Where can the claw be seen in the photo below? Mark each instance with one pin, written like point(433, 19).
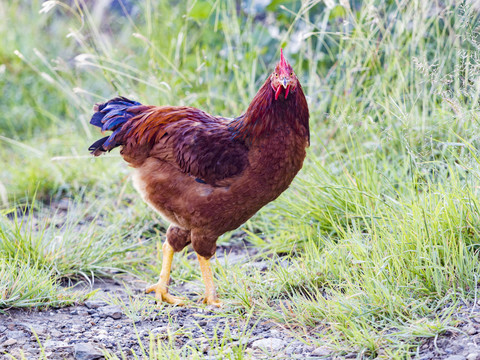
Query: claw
point(162, 294)
point(213, 301)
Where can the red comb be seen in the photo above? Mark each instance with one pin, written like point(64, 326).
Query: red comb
point(283, 62)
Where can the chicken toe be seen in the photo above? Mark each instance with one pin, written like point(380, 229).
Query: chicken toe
point(214, 301)
point(161, 287)
point(162, 294)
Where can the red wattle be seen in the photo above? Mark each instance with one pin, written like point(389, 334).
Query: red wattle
point(287, 90)
point(278, 92)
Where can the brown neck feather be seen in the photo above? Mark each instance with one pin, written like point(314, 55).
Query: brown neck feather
point(265, 114)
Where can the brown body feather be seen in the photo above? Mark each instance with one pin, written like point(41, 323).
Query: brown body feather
point(208, 175)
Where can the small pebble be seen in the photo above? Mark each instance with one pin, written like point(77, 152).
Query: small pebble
point(456, 357)
point(87, 351)
point(15, 334)
point(321, 351)
point(294, 347)
point(55, 333)
point(9, 342)
point(57, 345)
point(471, 330)
point(95, 304)
point(427, 356)
point(113, 311)
point(271, 344)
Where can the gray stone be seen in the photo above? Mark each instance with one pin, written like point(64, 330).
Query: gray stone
point(22, 341)
point(427, 356)
point(102, 339)
point(79, 311)
point(77, 329)
point(473, 356)
point(55, 333)
point(456, 357)
point(321, 351)
point(58, 346)
point(9, 342)
point(95, 304)
point(113, 311)
point(295, 347)
point(38, 330)
point(86, 351)
point(471, 330)
point(15, 334)
point(270, 344)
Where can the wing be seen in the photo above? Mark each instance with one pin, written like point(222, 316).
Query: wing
point(197, 143)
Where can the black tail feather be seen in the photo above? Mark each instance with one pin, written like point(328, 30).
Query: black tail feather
point(96, 147)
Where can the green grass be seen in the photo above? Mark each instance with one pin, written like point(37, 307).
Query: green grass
point(380, 229)
point(67, 245)
point(25, 285)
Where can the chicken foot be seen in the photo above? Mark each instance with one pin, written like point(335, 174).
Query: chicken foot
point(161, 287)
point(210, 292)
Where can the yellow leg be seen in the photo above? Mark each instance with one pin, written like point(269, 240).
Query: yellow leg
point(161, 287)
point(210, 293)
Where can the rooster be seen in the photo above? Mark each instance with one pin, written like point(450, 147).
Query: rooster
point(207, 174)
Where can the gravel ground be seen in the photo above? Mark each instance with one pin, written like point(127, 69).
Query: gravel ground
point(83, 331)
point(110, 321)
point(462, 342)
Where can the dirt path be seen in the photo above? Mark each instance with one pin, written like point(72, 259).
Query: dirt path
point(81, 332)
point(122, 320)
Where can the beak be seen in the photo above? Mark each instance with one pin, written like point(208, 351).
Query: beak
point(285, 82)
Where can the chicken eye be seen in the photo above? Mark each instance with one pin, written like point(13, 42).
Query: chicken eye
point(276, 75)
point(291, 74)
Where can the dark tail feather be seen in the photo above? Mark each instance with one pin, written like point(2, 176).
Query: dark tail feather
point(111, 116)
point(97, 146)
